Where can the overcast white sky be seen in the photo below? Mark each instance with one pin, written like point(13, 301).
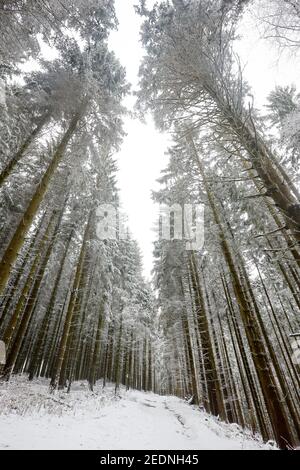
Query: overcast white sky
point(142, 155)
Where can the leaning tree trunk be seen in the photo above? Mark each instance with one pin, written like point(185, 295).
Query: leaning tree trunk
point(6, 172)
point(277, 186)
point(17, 240)
point(277, 217)
point(9, 297)
point(12, 325)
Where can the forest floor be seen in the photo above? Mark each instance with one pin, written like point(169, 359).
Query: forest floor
point(32, 418)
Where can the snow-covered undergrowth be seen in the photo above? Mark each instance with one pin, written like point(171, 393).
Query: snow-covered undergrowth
point(32, 418)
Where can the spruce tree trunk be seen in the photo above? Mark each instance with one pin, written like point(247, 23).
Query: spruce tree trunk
point(118, 357)
point(97, 347)
point(212, 379)
point(190, 357)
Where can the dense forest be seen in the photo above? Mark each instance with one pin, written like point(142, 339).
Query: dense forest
point(217, 326)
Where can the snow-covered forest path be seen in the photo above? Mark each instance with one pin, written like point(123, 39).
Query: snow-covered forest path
point(33, 419)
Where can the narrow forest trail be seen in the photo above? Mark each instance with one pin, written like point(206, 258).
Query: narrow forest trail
point(32, 418)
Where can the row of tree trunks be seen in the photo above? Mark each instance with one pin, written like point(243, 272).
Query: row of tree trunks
point(252, 323)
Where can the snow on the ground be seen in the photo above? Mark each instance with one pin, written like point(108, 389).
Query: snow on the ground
point(32, 418)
